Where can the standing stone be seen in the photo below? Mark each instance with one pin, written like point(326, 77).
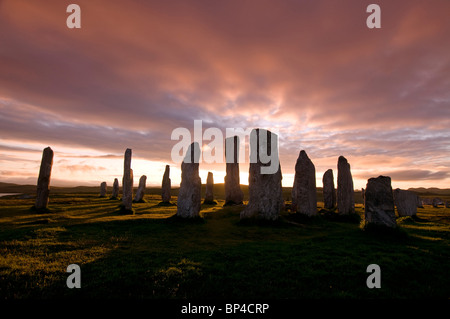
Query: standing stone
point(379, 202)
point(304, 192)
point(43, 183)
point(127, 183)
point(139, 197)
point(345, 192)
point(265, 192)
point(233, 192)
point(329, 192)
point(419, 202)
point(189, 195)
point(209, 192)
point(166, 185)
point(436, 202)
point(103, 189)
point(115, 189)
point(406, 202)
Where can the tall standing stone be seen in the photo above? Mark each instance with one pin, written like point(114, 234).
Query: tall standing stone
point(127, 183)
point(233, 192)
point(406, 202)
point(379, 202)
point(304, 192)
point(166, 185)
point(209, 191)
point(43, 183)
point(345, 191)
point(329, 192)
point(103, 189)
point(189, 195)
point(265, 192)
point(139, 197)
point(115, 189)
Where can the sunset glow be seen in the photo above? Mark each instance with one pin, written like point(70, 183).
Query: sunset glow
point(137, 70)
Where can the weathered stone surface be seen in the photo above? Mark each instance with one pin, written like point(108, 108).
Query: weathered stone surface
point(166, 186)
point(265, 192)
point(345, 191)
point(233, 192)
point(209, 191)
point(43, 182)
point(406, 202)
point(304, 192)
point(115, 189)
point(139, 197)
point(189, 195)
point(329, 192)
point(103, 189)
point(127, 183)
point(379, 202)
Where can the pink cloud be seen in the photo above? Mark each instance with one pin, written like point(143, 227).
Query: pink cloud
point(136, 71)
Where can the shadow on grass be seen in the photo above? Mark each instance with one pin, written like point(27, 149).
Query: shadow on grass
point(45, 210)
point(209, 202)
point(280, 222)
point(164, 204)
point(353, 218)
point(175, 219)
point(411, 219)
point(302, 219)
point(384, 232)
point(124, 211)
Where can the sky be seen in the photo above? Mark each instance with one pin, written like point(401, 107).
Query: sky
point(311, 70)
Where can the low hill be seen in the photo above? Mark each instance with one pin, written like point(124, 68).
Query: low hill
point(219, 191)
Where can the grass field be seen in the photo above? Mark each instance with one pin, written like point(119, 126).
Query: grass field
point(152, 254)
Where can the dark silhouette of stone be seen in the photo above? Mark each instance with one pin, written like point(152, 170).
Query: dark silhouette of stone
point(166, 186)
point(233, 192)
point(189, 195)
point(304, 192)
point(209, 190)
point(436, 202)
point(115, 189)
point(329, 192)
point(379, 202)
point(127, 183)
point(265, 192)
point(406, 202)
point(345, 191)
point(139, 197)
point(103, 189)
point(43, 182)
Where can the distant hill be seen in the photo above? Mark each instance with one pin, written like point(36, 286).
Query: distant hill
point(15, 188)
point(421, 191)
point(219, 191)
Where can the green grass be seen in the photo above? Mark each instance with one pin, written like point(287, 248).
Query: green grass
point(153, 254)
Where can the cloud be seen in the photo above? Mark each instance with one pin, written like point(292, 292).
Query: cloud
point(411, 175)
point(82, 168)
point(136, 71)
